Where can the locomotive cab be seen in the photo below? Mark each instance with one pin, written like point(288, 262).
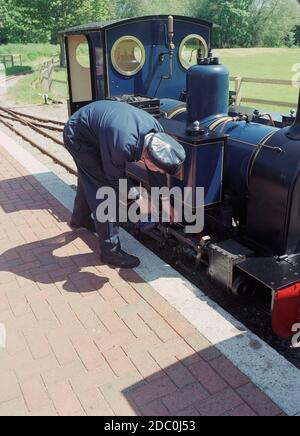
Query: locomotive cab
point(130, 57)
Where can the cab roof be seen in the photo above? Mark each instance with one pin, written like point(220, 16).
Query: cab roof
point(104, 25)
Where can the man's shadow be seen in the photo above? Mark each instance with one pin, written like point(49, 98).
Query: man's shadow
point(43, 263)
point(52, 260)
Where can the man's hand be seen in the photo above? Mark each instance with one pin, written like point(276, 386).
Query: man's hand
point(134, 194)
point(169, 213)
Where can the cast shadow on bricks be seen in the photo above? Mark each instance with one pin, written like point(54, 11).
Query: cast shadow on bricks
point(37, 260)
point(41, 260)
point(202, 384)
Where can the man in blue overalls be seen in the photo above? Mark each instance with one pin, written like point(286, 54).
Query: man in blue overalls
point(102, 138)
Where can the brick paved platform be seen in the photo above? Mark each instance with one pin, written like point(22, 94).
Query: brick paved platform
point(84, 339)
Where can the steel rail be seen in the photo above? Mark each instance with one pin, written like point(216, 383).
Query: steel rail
point(39, 147)
point(54, 129)
point(29, 124)
point(42, 120)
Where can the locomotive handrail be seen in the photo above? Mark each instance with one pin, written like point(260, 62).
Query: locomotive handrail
point(240, 99)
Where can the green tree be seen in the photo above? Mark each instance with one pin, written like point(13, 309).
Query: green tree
point(41, 20)
point(133, 8)
point(245, 23)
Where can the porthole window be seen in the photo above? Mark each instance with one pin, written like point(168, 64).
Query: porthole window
point(189, 48)
point(128, 55)
point(83, 54)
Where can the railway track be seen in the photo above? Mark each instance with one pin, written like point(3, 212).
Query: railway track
point(13, 120)
point(250, 312)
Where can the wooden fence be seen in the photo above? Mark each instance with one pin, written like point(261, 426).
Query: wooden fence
point(238, 82)
point(46, 75)
point(47, 69)
point(11, 60)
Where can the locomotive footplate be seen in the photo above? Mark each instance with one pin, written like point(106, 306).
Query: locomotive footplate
point(274, 274)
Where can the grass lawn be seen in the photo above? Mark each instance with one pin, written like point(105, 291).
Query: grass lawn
point(25, 90)
point(254, 62)
point(266, 63)
point(32, 54)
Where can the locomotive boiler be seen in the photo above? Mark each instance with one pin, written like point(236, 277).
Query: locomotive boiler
point(249, 166)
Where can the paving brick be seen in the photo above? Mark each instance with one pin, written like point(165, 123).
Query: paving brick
point(10, 389)
point(145, 364)
point(126, 292)
point(204, 348)
point(10, 362)
point(242, 410)
point(156, 408)
point(137, 326)
point(220, 403)
point(143, 394)
point(162, 306)
point(151, 341)
point(180, 375)
point(62, 310)
point(108, 293)
point(65, 400)
point(35, 394)
point(119, 362)
point(175, 348)
point(184, 398)
point(108, 318)
point(37, 343)
point(110, 340)
point(32, 368)
point(48, 411)
point(63, 373)
point(87, 317)
point(15, 342)
point(119, 404)
point(145, 290)
point(16, 407)
point(180, 325)
point(161, 328)
point(229, 372)
point(92, 379)
point(94, 403)
point(27, 321)
point(129, 310)
point(118, 395)
point(258, 401)
point(89, 354)
point(20, 306)
point(62, 347)
point(212, 382)
point(189, 411)
point(42, 311)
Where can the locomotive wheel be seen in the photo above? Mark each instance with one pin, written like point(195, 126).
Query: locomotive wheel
point(243, 287)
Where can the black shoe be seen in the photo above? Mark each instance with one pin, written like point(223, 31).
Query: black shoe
point(89, 226)
point(120, 259)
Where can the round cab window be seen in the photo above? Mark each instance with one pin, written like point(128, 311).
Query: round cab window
point(189, 49)
point(83, 55)
point(128, 55)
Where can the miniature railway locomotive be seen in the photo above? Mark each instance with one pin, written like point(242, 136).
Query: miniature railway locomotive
point(248, 165)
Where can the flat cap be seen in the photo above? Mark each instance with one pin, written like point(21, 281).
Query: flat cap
point(166, 153)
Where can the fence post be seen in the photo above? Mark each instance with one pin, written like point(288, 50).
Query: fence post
point(238, 89)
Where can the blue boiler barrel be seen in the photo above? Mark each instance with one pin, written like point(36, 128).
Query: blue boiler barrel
point(207, 91)
point(244, 142)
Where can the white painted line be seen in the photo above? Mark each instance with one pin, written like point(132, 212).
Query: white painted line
point(273, 374)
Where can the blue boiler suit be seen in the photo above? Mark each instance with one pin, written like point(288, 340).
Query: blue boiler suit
point(102, 138)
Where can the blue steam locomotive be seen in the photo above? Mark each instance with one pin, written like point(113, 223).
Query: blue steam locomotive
point(249, 165)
